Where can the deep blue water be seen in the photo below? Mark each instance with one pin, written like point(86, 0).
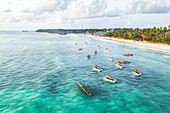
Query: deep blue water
point(39, 70)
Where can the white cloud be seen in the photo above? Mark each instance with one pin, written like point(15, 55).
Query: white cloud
point(70, 12)
point(148, 7)
point(7, 10)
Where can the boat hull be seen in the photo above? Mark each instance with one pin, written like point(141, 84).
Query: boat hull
point(125, 62)
point(107, 50)
point(127, 54)
point(88, 58)
point(111, 58)
point(137, 74)
point(119, 66)
point(99, 70)
point(108, 80)
point(88, 93)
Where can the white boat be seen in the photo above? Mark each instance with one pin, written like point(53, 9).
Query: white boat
point(109, 78)
point(98, 47)
point(96, 68)
point(111, 58)
point(106, 49)
point(136, 72)
point(119, 66)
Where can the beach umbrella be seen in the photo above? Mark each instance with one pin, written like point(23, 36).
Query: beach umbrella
point(136, 69)
point(119, 62)
point(88, 55)
point(96, 65)
point(96, 51)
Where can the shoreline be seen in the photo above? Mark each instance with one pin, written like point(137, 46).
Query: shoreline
point(158, 46)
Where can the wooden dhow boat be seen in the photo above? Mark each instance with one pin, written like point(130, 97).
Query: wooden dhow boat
point(83, 88)
point(126, 54)
point(125, 62)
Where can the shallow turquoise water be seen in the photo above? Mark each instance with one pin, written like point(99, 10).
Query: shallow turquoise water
point(39, 70)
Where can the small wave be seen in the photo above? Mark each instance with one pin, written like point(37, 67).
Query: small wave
point(166, 56)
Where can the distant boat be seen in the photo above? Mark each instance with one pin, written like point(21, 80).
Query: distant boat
point(136, 72)
point(96, 68)
point(111, 58)
point(98, 47)
point(106, 49)
point(109, 78)
point(125, 62)
point(126, 54)
point(95, 52)
point(80, 49)
point(88, 57)
point(118, 64)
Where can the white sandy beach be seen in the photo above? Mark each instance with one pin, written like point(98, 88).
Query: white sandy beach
point(161, 47)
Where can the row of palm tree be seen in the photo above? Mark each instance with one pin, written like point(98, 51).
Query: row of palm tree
point(155, 35)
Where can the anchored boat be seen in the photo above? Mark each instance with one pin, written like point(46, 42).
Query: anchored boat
point(125, 62)
point(96, 68)
point(118, 64)
point(88, 57)
point(109, 78)
point(136, 72)
point(111, 58)
point(126, 54)
point(95, 52)
point(86, 91)
point(106, 49)
point(83, 88)
point(98, 47)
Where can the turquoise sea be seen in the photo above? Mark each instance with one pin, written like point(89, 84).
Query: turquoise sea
point(39, 70)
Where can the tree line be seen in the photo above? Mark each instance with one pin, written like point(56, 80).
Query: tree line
point(155, 35)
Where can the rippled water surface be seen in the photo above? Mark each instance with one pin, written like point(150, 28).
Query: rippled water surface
point(39, 70)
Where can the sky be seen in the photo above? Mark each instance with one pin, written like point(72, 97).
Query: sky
point(76, 14)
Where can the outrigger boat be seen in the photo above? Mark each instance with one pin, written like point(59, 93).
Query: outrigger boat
point(88, 57)
point(136, 72)
point(106, 49)
point(83, 88)
point(111, 58)
point(96, 68)
point(118, 64)
point(98, 47)
point(126, 54)
point(95, 52)
point(109, 79)
point(125, 62)
point(86, 91)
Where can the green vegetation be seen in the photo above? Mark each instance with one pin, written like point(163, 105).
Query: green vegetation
point(155, 35)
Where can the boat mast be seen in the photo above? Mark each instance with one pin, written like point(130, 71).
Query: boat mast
point(81, 79)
